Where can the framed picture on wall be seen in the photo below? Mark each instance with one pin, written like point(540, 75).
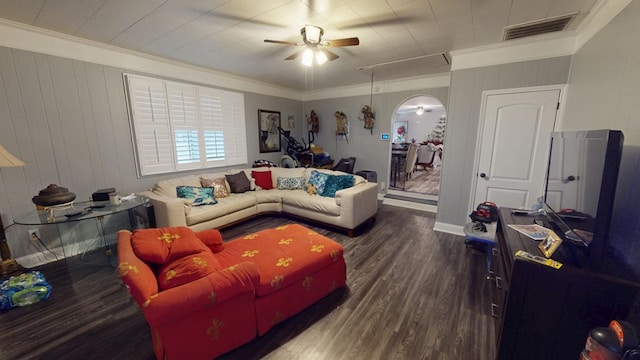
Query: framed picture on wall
point(268, 134)
point(400, 129)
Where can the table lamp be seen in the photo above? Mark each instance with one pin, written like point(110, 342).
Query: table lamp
point(8, 266)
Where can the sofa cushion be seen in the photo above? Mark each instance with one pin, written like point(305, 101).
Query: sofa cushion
point(225, 206)
point(196, 196)
point(319, 204)
point(318, 180)
point(163, 245)
point(263, 179)
point(290, 183)
point(219, 186)
point(187, 269)
point(239, 182)
point(269, 196)
point(335, 183)
point(168, 187)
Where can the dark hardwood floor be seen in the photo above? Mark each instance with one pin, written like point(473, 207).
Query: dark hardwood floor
point(412, 293)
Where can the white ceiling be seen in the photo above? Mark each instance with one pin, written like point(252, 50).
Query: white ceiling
point(227, 35)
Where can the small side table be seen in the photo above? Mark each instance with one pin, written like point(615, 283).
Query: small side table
point(99, 210)
point(478, 236)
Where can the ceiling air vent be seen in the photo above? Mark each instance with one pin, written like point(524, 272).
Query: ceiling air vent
point(537, 27)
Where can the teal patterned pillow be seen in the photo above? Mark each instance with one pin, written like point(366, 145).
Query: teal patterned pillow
point(291, 183)
point(198, 195)
point(318, 180)
point(335, 183)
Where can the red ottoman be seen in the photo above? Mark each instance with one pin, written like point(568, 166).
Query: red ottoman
point(203, 297)
point(297, 267)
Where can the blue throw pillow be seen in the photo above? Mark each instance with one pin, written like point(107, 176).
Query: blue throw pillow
point(318, 180)
point(197, 195)
point(335, 183)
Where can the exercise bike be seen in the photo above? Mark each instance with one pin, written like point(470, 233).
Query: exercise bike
point(295, 150)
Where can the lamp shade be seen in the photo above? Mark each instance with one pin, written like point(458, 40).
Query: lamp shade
point(8, 160)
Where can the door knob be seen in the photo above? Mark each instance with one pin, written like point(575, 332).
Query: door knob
point(483, 175)
point(571, 178)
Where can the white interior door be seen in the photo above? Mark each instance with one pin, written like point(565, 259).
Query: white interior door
point(514, 146)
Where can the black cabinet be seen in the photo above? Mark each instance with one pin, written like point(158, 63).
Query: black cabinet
point(544, 313)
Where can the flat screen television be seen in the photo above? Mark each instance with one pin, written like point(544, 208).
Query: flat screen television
point(580, 188)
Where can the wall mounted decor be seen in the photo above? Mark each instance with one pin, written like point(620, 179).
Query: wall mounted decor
point(268, 134)
point(313, 122)
point(400, 132)
point(368, 116)
point(342, 125)
point(291, 120)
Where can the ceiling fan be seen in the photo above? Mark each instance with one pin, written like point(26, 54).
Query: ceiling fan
point(315, 46)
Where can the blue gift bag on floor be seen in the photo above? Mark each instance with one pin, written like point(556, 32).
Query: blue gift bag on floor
point(23, 290)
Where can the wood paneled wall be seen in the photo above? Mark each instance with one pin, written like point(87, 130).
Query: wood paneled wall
point(463, 118)
point(68, 121)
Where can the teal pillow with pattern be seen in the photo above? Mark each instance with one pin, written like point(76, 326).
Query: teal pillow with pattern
point(318, 180)
point(335, 183)
point(198, 196)
point(292, 183)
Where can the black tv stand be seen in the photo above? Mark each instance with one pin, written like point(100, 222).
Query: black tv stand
point(544, 313)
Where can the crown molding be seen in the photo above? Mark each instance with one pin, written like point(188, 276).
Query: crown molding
point(539, 47)
point(24, 37)
point(542, 46)
point(381, 87)
point(601, 14)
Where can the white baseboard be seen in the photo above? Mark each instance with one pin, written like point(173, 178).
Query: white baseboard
point(449, 228)
point(57, 253)
point(410, 205)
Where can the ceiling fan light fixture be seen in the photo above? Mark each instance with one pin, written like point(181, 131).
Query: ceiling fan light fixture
point(307, 57)
point(321, 57)
point(311, 34)
point(420, 110)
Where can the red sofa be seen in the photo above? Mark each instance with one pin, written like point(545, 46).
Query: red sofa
point(203, 297)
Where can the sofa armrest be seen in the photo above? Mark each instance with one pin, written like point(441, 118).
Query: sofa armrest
point(135, 273)
point(212, 238)
point(168, 211)
point(177, 303)
point(358, 203)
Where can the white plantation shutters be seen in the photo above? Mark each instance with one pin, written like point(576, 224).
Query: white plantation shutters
point(152, 130)
point(182, 127)
point(184, 119)
point(213, 126)
point(234, 128)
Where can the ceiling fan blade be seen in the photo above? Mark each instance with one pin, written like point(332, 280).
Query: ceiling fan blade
point(294, 55)
point(330, 56)
point(343, 42)
point(281, 42)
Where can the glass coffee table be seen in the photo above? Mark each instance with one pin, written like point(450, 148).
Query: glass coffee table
point(69, 220)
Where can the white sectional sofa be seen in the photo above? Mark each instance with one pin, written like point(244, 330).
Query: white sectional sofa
point(350, 208)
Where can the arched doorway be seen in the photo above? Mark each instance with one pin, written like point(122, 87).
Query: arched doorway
point(419, 123)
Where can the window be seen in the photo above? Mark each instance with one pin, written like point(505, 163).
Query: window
point(183, 127)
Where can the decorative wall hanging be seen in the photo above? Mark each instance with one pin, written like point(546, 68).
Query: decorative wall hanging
point(291, 121)
point(368, 116)
point(269, 136)
point(342, 125)
point(400, 132)
point(313, 122)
